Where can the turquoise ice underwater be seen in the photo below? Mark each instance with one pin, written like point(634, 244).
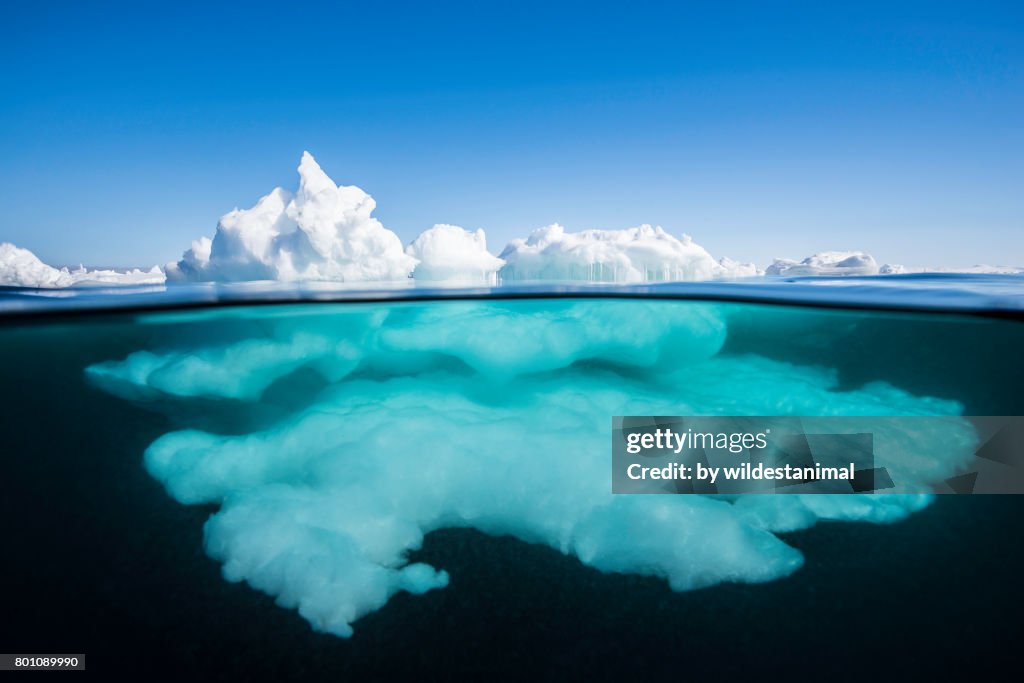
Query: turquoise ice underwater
point(492, 415)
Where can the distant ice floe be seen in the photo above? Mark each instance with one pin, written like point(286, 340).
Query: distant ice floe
point(828, 263)
point(490, 415)
point(981, 269)
point(22, 268)
point(840, 263)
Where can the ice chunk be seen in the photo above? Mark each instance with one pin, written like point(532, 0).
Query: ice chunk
point(450, 253)
point(322, 232)
point(640, 254)
point(826, 263)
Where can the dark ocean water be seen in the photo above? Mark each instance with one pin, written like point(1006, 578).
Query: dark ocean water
point(100, 559)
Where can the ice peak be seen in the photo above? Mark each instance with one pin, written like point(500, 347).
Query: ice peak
point(312, 179)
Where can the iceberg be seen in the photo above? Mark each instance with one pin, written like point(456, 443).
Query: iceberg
point(491, 415)
point(450, 253)
point(321, 232)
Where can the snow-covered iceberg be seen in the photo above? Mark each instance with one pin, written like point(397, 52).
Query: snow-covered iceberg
point(21, 268)
point(321, 232)
point(640, 254)
point(492, 415)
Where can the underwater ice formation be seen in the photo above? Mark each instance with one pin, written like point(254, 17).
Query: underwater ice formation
point(22, 268)
point(490, 415)
point(640, 254)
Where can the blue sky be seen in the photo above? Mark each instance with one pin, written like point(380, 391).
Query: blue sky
point(762, 129)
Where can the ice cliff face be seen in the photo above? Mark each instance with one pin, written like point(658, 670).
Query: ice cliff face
point(492, 415)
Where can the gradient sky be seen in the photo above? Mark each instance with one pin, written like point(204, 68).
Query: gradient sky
point(762, 129)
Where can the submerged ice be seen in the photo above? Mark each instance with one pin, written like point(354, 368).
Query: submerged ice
point(487, 415)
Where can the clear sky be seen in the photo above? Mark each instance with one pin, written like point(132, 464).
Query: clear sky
point(762, 129)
